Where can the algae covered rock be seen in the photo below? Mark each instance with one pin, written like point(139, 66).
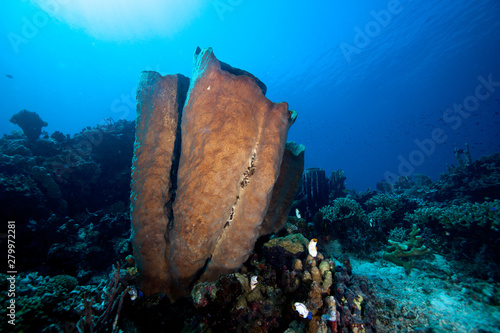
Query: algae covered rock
point(283, 250)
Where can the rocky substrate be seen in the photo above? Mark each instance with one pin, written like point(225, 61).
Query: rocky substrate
point(435, 298)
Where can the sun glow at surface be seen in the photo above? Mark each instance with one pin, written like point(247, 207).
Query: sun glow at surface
point(124, 19)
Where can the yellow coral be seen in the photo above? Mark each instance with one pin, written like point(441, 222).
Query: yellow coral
point(132, 271)
point(323, 267)
point(327, 281)
point(357, 301)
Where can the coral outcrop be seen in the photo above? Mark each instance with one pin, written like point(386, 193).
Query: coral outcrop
point(198, 210)
point(30, 123)
point(50, 188)
point(285, 249)
point(334, 298)
point(470, 180)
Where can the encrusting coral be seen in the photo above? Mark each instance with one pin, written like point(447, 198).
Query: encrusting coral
point(406, 249)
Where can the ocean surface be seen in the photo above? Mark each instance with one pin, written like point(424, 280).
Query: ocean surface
point(371, 80)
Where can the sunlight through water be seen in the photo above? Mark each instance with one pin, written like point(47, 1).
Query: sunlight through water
point(124, 19)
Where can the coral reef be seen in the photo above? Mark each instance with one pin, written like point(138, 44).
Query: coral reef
point(333, 296)
point(466, 215)
point(306, 277)
point(62, 184)
point(471, 181)
point(60, 304)
point(465, 230)
point(87, 244)
point(462, 235)
point(455, 220)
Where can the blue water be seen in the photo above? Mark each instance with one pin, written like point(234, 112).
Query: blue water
point(371, 80)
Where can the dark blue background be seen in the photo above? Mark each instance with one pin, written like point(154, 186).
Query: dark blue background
point(370, 79)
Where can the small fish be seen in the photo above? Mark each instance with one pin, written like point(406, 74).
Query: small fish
point(312, 247)
point(9, 76)
point(330, 316)
point(254, 281)
point(302, 310)
point(297, 213)
point(133, 293)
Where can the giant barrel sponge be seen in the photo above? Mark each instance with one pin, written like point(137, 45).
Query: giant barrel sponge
point(207, 157)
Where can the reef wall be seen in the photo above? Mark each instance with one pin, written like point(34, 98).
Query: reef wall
point(201, 187)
